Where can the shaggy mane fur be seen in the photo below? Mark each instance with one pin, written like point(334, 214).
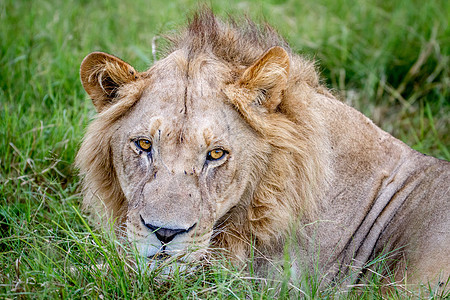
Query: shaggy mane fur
point(288, 181)
point(236, 42)
point(100, 185)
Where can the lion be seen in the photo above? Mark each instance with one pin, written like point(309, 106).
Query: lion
point(230, 143)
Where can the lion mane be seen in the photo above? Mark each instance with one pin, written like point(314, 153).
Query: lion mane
point(291, 181)
point(320, 160)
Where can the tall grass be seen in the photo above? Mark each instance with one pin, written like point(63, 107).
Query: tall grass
point(390, 59)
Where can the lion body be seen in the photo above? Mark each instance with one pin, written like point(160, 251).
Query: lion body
point(393, 201)
point(296, 161)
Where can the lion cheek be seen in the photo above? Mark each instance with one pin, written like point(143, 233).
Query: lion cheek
point(232, 193)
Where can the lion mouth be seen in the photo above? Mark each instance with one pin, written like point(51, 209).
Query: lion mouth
point(160, 256)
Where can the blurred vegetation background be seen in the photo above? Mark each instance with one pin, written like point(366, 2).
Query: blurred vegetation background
point(388, 59)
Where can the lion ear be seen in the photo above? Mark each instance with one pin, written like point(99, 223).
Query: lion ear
point(102, 75)
point(267, 78)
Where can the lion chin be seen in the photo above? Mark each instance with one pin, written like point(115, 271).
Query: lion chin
point(161, 244)
point(231, 145)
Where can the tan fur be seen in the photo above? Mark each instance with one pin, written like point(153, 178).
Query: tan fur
point(295, 156)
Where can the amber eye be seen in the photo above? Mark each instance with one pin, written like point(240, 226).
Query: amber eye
point(144, 145)
point(215, 154)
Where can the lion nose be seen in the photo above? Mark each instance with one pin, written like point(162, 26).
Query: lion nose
point(165, 235)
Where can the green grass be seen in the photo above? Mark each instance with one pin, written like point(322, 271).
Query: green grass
point(389, 59)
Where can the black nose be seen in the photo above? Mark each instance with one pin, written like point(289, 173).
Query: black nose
point(165, 235)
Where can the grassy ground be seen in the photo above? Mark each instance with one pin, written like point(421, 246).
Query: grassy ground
point(389, 59)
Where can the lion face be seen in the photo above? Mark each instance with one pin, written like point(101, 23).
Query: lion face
point(176, 149)
point(182, 161)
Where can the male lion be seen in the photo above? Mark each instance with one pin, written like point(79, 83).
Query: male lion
point(231, 141)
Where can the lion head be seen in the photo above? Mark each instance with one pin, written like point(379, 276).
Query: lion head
point(207, 146)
